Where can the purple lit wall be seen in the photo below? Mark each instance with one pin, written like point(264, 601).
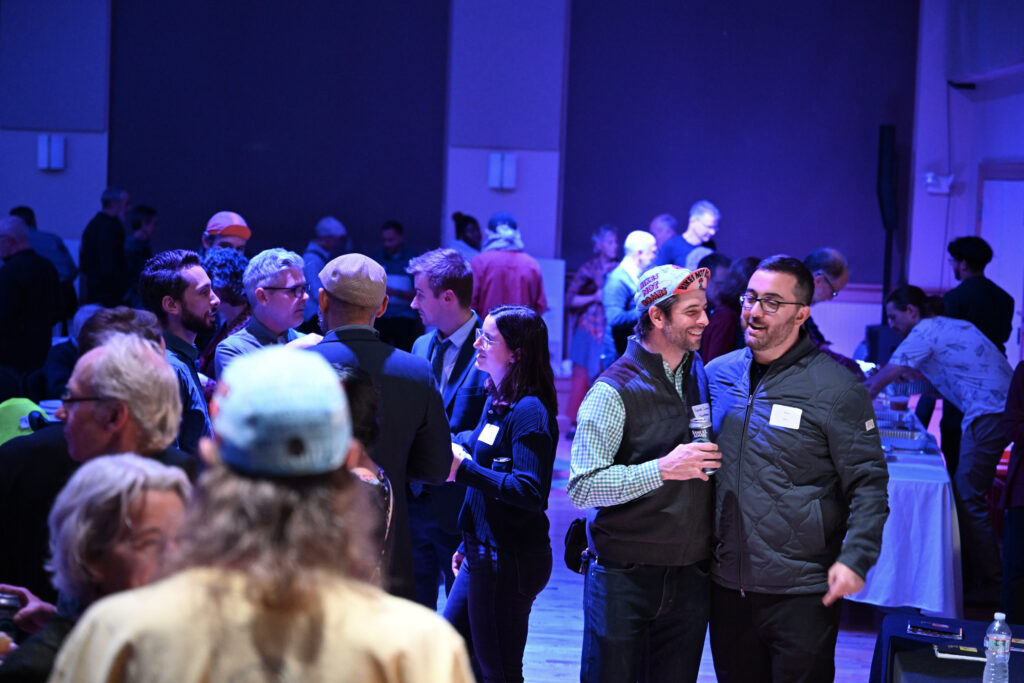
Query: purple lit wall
point(282, 112)
point(770, 110)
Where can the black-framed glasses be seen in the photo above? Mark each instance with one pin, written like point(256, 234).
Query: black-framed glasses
point(769, 306)
point(294, 291)
point(66, 397)
point(835, 292)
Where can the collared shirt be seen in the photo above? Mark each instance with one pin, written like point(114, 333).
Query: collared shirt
point(451, 353)
point(195, 416)
point(960, 362)
point(600, 423)
point(255, 335)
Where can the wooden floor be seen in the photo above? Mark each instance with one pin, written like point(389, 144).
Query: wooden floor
point(556, 624)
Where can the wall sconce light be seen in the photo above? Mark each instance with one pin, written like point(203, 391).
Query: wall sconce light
point(50, 151)
point(937, 184)
point(501, 171)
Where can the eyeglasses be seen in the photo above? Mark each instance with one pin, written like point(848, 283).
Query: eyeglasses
point(769, 306)
point(66, 397)
point(294, 291)
point(485, 341)
point(835, 292)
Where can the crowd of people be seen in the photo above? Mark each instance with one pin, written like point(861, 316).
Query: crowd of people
point(260, 463)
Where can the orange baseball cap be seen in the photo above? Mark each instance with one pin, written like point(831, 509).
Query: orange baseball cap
point(229, 224)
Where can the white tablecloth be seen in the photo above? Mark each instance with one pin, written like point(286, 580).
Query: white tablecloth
point(919, 565)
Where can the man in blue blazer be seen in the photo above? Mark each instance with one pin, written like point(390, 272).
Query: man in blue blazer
point(414, 444)
point(443, 284)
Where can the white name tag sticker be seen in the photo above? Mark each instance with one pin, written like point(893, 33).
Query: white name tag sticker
point(702, 411)
point(488, 434)
point(869, 425)
point(784, 416)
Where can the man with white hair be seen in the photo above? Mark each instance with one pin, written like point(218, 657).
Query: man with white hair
point(276, 289)
point(329, 236)
point(415, 443)
point(620, 315)
point(695, 243)
point(29, 300)
point(122, 397)
point(275, 533)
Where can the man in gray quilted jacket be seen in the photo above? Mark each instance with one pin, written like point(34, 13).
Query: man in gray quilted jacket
point(800, 498)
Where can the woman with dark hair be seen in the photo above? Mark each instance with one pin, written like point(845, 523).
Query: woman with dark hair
point(505, 558)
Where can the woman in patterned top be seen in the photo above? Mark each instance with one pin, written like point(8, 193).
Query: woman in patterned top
point(583, 299)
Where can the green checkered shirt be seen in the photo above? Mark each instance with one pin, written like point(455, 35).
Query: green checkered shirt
point(594, 479)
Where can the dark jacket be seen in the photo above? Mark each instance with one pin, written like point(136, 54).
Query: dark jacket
point(802, 470)
point(414, 444)
point(29, 306)
point(101, 258)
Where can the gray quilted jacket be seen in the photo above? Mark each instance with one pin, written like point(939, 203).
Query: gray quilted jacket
point(803, 478)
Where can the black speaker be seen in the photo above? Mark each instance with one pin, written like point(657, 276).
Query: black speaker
point(886, 186)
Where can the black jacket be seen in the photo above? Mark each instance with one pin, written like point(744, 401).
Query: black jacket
point(803, 477)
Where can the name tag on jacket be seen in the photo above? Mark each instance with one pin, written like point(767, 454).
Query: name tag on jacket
point(785, 416)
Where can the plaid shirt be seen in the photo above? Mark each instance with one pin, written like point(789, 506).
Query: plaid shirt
point(595, 480)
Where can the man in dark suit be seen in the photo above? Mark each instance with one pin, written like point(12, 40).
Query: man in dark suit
point(101, 255)
point(414, 444)
point(443, 286)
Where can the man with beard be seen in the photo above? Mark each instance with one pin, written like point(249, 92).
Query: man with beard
point(634, 463)
point(276, 289)
point(800, 500)
point(174, 287)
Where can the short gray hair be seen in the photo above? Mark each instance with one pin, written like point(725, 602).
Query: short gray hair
point(91, 511)
point(134, 370)
point(329, 226)
point(705, 207)
point(264, 267)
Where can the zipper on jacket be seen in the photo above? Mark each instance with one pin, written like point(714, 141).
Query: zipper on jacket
point(739, 466)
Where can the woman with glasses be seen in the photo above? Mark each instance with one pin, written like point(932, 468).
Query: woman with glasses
point(505, 558)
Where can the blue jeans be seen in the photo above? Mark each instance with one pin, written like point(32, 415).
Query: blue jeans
point(490, 605)
point(644, 622)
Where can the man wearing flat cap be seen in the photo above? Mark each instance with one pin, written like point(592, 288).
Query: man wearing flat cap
point(635, 465)
point(414, 440)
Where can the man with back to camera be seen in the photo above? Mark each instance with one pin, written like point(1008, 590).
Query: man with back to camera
point(329, 236)
point(967, 369)
point(415, 444)
point(104, 279)
point(29, 300)
point(800, 500)
point(663, 227)
point(695, 243)
point(633, 462)
point(275, 286)
point(176, 289)
point(443, 283)
point(620, 313)
point(51, 247)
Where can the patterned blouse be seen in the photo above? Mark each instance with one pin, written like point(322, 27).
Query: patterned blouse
point(588, 279)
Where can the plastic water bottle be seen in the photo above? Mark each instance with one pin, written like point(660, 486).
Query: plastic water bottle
point(997, 651)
